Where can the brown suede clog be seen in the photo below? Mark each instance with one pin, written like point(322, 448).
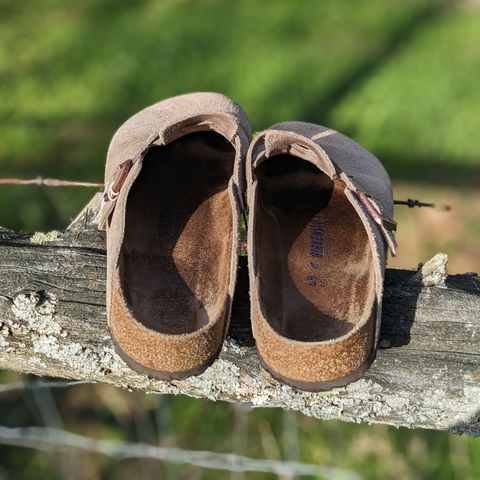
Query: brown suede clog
point(171, 210)
point(320, 210)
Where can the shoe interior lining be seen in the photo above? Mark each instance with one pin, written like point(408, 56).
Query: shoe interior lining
point(176, 254)
point(313, 254)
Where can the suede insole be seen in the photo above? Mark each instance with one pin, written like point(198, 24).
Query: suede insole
point(316, 275)
point(176, 254)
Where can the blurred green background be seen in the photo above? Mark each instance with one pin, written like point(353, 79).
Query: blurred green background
point(401, 77)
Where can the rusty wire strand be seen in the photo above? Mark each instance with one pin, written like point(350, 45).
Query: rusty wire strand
point(54, 182)
point(49, 182)
point(411, 203)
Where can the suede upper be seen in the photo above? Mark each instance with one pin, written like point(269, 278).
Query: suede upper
point(157, 127)
point(364, 193)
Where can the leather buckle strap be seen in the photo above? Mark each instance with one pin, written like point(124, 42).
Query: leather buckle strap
point(113, 189)
point(377, 217)
point(386, 225)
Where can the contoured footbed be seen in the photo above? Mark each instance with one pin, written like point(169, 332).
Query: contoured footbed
point(176, 254)
point(313, 253)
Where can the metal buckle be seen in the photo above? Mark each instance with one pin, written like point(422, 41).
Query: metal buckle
point(112, 190)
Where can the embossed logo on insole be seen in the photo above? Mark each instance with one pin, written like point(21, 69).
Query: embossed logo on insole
point(320, 249)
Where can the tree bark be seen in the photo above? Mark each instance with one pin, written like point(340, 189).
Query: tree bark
point(426, 375)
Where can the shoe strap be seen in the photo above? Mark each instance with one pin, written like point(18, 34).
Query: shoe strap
point(387, 226)
point(114, 187)
point(386, 223)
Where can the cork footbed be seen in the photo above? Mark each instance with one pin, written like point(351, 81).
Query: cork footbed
point(174, 264)
point(313, 254)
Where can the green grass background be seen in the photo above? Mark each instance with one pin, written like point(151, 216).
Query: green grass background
point(401, 76)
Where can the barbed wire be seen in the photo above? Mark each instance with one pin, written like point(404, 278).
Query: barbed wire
point(55, 182)
point(49, 182)
point(32, 385)
point(52, 439)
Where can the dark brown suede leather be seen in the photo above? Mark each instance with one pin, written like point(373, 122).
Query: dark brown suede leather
point(320, 209)
point(171, 210)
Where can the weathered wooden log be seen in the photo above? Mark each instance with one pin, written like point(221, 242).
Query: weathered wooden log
point(427, 372)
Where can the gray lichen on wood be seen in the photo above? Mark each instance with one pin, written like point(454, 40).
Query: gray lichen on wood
point(433, 273)
point(427, 372)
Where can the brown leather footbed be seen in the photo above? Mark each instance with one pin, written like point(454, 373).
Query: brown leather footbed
point(175, 257)
point(312, 251)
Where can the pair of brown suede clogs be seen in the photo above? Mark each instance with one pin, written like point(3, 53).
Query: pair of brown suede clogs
point(320, 209)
